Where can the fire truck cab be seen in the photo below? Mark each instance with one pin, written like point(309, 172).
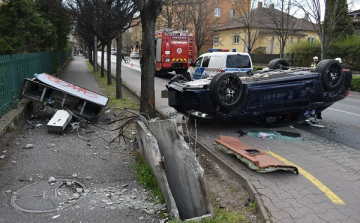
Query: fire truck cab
point(174, 51)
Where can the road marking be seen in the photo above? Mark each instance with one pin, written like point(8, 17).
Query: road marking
point(331, 195)
point(343, 111)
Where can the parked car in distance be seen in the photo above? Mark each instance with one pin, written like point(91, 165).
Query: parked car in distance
point(113, 52)
point(134, 55)
point(275, 96)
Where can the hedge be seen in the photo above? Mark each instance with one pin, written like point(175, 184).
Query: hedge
point(348, 49)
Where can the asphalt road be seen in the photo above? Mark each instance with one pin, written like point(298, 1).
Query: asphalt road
point(326, 190)
point(341, 122)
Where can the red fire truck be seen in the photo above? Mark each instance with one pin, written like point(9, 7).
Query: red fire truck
point(174, 51)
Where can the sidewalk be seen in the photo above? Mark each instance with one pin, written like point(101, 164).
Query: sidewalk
point(94, 179)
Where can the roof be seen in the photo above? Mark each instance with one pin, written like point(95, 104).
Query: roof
point(260, 18)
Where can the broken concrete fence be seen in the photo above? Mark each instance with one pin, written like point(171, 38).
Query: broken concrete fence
point(177, 170)
point(149, 151)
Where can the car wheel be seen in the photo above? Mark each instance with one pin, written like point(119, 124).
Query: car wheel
point(178, 78)
point(331, 73)
point(279, 64)
point(226, 89)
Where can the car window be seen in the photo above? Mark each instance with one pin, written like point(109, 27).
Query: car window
point(205, 62)
point(198, 62)
point(238, 61)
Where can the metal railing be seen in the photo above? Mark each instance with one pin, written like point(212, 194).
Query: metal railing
point(15, 68)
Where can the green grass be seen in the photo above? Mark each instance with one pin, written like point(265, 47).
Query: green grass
point(110, 92)
point(147, 179)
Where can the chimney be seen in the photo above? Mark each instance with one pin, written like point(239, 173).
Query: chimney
point(259, 5)
point(271, 6)
point(306, 16)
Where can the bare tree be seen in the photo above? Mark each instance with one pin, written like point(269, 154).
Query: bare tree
point(282, 21)
point(149, 11)
point(203, 20)
point(248, 21)
point(325, 19)
point(105, 19)
point(174, 14)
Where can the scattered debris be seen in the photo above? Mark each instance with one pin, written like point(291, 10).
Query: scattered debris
point(266, 135)
point(51, 180)
point(2, 156)
point(29, 146)
point(247, 202)
point(313, 123)
point(56, 216)
point(278, 135)
point(241, 133)
point(59, 121)
point(256, 159)
point(289, 134)
point(75, 125)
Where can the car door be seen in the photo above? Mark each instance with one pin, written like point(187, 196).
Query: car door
point(191, 70)
point(200, 68)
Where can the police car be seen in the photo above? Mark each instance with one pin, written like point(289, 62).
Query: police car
point(209, 64)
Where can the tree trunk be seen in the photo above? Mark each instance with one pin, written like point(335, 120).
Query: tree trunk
point(95, 65)
point(147, 98)
point(149, 11)
point(108, 53)
point(102, 60)
point(118, 66)
point(90, 53)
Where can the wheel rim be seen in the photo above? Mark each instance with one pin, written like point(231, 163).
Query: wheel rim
point(333, 74)
point(229, 90)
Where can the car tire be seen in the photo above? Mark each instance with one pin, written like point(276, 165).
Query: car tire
point(279, 64)
point(226, 89)
point(331, 73)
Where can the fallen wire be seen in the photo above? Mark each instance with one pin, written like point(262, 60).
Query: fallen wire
point(122, 129)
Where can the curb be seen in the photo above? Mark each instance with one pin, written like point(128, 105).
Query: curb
point(13, 120)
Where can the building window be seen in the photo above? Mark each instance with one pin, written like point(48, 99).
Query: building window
point(216, 40)
point(311, 39)
point(272, 45)
point(217, 12)
point(236, 38)
point(232, 13)
point(292, 39)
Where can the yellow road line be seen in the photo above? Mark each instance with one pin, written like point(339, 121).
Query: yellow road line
point(333, 197)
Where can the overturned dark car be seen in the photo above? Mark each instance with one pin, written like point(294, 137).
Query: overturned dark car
point(277, 95)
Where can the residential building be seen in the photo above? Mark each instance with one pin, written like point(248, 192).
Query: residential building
point(259, 28)
point(226, 9)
